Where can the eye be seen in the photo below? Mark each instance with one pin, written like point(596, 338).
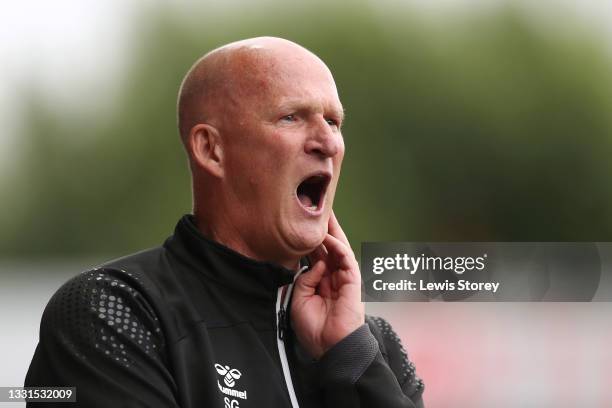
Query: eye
point(332, 122)
point(289, 118)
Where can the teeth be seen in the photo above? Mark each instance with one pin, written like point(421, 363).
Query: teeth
point(312, 207)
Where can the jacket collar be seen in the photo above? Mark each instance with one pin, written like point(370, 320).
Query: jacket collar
point(224, 265)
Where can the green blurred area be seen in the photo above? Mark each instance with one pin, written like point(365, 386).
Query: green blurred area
point(484, 128)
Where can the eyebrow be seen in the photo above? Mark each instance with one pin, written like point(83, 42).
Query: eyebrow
point(296, 105)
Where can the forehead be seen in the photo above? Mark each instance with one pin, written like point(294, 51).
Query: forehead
point(290, 80)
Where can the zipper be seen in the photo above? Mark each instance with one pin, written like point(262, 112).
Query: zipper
point(282, 324)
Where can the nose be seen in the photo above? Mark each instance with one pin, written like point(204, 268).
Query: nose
point(324, 140)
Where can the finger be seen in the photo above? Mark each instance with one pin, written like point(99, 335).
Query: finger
point(319, 253)
point(341, 262)
point(335, 229)
point(325, 289)
point(307, 282)
point(338, 250)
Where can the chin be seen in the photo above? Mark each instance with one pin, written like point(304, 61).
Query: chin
point(307, 238)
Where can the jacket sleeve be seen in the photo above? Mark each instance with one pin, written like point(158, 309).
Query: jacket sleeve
point(361, 371)
point(99, 334)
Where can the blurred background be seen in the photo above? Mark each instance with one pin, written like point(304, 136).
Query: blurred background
point(467, 120)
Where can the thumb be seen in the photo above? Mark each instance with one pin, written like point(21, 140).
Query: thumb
point(306, 284)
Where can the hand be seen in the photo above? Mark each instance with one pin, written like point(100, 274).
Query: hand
point(326, 304)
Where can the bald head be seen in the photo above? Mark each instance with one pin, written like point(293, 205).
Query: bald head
point(232, 76)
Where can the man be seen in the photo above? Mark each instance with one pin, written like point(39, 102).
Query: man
point(255, 299)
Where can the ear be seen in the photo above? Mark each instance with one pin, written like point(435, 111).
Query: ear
point(205, 149)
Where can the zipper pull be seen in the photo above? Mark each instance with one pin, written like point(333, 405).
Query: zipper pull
point(282, 322)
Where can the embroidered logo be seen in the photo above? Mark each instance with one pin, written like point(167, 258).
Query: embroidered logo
point(230, 376)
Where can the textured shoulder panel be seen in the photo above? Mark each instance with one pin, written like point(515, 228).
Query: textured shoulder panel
point(102, 314)
point(396, 356)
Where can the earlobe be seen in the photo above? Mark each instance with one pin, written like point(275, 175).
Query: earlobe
point(205, 149)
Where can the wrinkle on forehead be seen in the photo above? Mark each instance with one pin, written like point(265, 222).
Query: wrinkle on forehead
point(233, 76)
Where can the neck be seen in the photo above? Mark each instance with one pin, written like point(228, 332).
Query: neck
point(230, 236)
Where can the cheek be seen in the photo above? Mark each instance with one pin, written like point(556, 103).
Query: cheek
point(267, 178)
point(331, 195)
point(253, 164)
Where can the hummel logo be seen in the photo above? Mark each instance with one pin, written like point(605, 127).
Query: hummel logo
point(229, 374)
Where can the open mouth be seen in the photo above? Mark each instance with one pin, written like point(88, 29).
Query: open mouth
point(311, 191)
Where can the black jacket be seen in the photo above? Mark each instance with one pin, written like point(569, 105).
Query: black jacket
point(194, 324)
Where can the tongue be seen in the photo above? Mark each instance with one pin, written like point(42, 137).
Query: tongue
point(305, 200)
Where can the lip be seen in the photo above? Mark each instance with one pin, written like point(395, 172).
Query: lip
point(321, 204)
